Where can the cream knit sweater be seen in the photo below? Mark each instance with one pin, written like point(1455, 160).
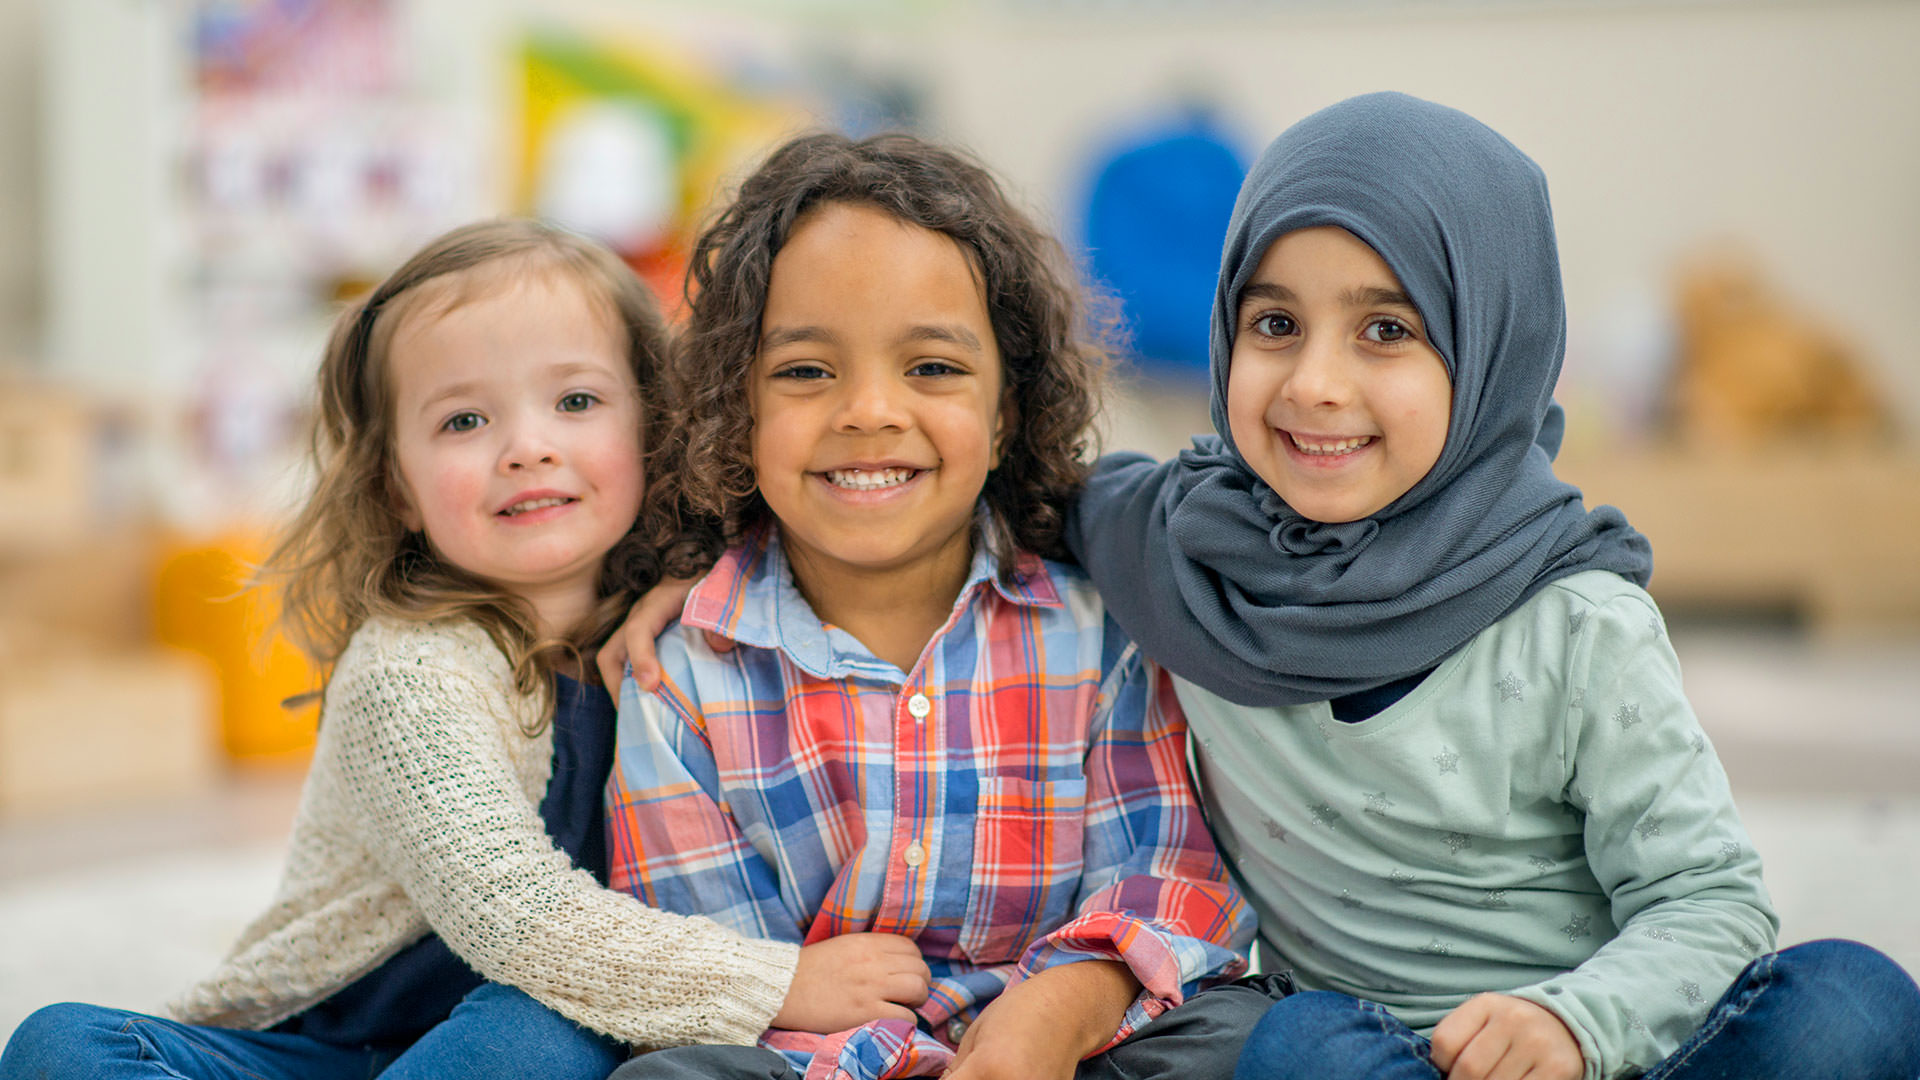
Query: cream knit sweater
point(421, 812)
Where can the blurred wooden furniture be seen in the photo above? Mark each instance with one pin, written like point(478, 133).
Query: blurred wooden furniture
point(81, 727)
point(1831, 537)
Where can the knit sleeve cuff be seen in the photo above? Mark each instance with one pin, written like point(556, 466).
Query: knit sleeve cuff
point(745, 1001)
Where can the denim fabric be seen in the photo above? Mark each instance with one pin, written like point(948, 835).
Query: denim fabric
point(495, 1033)
point(1826, 1010)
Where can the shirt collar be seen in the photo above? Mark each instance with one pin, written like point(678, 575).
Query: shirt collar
point(750, 597)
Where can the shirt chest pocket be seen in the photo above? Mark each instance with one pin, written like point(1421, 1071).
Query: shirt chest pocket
point(1027, 863)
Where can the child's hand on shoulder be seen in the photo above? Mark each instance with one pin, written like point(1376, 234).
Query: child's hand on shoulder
point(1494, 1036)
point(852, 979)
point(647, 619)
point(1041, 1027)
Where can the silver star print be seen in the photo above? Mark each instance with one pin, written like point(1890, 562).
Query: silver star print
point(1274, 831)
point(1447, 760)
point(1495, 898)
point(1578, 927)
point(1510, 687)
point(1455, 841)
point(1578, 697)
point(1350, 901)
point(1540, 863)
point(1698, 742)
point(1660, 933)
point(1634, 1023)
point(1751, 946)
point(1653, 625)
point(1436, 947)
point(1324, 814)
point(1691, 991)
point(1575, 622)
point(1401, 877)
point(1627, 716)
point(1729, 850)
point(1378, 803)
point(1649, 826)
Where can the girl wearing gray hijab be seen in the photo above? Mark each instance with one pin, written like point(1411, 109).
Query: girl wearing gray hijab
point(1440, 730)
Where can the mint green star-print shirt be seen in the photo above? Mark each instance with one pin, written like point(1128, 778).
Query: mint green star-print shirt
point(1541, 816)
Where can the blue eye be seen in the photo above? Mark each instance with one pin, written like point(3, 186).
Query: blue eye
point(463, 421)
point(578, 401)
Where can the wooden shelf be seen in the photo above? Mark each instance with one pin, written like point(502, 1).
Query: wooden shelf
point(1831, 536)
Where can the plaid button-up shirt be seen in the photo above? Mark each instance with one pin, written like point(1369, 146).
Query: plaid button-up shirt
point(1018, 800)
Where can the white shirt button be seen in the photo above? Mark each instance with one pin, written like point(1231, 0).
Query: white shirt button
point(915, 854)
point(956, 1030)
point(918, 706)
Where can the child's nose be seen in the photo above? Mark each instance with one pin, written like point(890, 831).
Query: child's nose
point(1319, 376)
point(528, 445)
point(872, 403)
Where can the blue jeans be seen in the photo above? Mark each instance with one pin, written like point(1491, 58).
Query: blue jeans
point(1826, 1009)
point(495, 1033)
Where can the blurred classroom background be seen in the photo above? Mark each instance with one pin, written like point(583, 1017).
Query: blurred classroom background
point(189, 189)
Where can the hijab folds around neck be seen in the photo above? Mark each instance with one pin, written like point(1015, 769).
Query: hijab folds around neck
point(1225, 584)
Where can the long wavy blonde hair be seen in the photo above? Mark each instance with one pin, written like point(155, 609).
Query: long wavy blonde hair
point(347, 557)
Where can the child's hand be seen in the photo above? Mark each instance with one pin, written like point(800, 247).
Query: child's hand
point(1497, 1037)
point(1041, 1027)
point(649, 616)
point(846, 981)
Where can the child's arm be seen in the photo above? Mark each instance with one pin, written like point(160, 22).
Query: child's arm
point(1663, 839)
point(1154, 892)
point(424, 756)
point(1042, 1026)
point(674, 847)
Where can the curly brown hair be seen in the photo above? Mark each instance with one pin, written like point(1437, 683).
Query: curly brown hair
point(1055, 359)
point(347, 557)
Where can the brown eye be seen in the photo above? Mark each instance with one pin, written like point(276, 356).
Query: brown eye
point(463, 421)
point(1388, 331)
point(578, 401)
point(1275, 325)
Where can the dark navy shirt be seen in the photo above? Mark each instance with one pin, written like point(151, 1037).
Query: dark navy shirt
point(395, 1003)
point(1371, 702)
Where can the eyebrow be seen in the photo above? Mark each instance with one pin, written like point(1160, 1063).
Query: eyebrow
point(452, 390)
point(1370, 296)
point(564, 370)
point(789, 335)
point(949, 333)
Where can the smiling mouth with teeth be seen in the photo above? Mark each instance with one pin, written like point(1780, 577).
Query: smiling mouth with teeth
point(869, 479)
point(533, 504)
point(1331, 449)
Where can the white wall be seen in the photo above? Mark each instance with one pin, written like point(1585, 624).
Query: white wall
point(19, 181)
point(1792, 128)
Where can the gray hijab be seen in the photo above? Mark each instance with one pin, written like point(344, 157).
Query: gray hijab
point(1223, 583)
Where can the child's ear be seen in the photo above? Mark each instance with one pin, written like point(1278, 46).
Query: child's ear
point(1004, 422)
